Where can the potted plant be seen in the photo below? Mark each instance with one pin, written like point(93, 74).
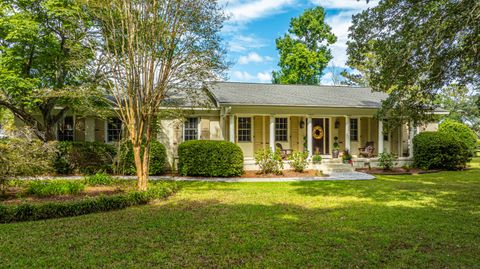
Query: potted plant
point(317, 161)
point(336, 148)
point(347, 157)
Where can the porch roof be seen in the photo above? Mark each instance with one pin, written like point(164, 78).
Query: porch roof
point(235, 93)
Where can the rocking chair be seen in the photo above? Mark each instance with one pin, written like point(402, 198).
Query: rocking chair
point(285, 152)
point(367, 151)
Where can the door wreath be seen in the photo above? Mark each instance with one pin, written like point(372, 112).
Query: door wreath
point(318, 132)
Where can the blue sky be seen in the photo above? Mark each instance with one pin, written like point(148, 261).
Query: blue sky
point(253, 26)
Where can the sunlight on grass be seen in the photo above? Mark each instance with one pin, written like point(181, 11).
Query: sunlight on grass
point(390, 222)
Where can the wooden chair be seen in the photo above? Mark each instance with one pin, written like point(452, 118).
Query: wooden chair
point(285, 152)
point(368, 151)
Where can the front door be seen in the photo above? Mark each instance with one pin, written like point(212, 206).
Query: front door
point(321, 136)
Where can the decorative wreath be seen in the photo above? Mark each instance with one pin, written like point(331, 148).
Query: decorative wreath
point(318, 132)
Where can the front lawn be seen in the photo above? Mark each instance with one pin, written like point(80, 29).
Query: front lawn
point(429, 221)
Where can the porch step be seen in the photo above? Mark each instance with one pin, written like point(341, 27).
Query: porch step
point(336, 167)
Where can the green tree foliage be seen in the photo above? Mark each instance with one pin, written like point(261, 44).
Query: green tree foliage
point(45, 61)
point(413, 49)
point(304, 51)
point(462, 105)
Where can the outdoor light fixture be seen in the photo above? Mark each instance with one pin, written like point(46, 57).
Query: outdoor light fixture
point(337, 123)
point(302, 124)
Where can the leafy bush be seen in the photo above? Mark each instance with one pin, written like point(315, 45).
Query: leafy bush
point(99, 179)
point(29, 212)
point(298, 160)
point(23, 157)
point(461, 132)
point(210, 159)
point(270, 162)
point(44, 188)
point(385, 161)
point(437, 150)
point(84, 157)
point(317, 158)
point(126, 160)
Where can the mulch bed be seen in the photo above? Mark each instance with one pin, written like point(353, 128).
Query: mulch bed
point(13, 196)
point(396, 171)
point(285, 174)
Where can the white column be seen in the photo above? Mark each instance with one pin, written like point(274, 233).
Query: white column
point(347, 133)
point(222, 127)
point(232, 128)
point(309, 136)
point(410, 140)
point(272, 133)
point(380, 137)
point(90, 129)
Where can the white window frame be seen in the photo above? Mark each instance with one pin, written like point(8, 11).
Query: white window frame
point(354, 129)
point(107, 130)
point(197, 128)
point(250, 129)
point(286, 129)
point(63, 122)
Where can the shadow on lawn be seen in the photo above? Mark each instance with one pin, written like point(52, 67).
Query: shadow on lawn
point(210, 233)
point(446, 189)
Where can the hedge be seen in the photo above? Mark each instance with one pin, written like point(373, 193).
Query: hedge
point(84, 157)
point(158, 159)
point(210, 159)
point(30, 212)
point(461, 132)
point(437, 150)
point(45, 188)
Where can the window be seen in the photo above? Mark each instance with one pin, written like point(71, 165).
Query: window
point(114, 130)
point(354, 129)
point(65, 129)
point(190, 130)
point(244, 129)
point(385, 137)
point(281, 129)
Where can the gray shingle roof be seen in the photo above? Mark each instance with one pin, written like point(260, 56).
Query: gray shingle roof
point(235, 93)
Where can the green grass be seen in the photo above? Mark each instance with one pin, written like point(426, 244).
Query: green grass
point(429, 221)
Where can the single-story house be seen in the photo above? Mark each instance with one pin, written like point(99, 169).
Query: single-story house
point(256, 116)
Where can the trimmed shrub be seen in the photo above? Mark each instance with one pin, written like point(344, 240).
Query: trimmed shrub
point(270, 162)
point(461, 132)
point(99, 179)
point(210, 159)
point(23, 157)
point(84, 157)
point(44, 188)
point(298, 161)
point(29, 212)
point(386, 161)
point(436, 150)
point(126, 160)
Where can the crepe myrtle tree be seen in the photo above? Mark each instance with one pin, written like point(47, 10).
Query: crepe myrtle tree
point(157, 49)
point(46, 64)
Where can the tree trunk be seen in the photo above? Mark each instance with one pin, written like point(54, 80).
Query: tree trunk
point(142, 175)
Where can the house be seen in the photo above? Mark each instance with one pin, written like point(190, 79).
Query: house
point(256, 116)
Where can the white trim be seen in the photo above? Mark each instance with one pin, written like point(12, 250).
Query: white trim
point(251, 129)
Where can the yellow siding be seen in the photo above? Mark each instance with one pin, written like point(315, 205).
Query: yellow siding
point(99, 130)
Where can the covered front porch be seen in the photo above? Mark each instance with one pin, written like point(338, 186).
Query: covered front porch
point(317, 133)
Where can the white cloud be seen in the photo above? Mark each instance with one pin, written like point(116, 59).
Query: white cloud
point(239, 43)
point(248, 10)
point(253, 57)
point(345, 4)
point(264, 77)
point(242, 76)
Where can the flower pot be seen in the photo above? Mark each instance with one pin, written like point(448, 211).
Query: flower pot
point(335, 153)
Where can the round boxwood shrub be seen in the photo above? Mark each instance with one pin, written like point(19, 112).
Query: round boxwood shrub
point(84, 157)
point(437, 150)
point(461, 132)
point(158, 159)
point(210, 159)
